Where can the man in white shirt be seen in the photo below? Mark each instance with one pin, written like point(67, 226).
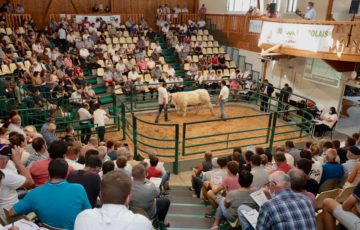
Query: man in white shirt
point(84, 53)
point(84, 117)
point(153, 85)
point(100, 116)
point(11, 181)
point(133, 75)
point(114, 214)
point(15, 125)
point(224, 94)
point(163, 102)
point(310, 13)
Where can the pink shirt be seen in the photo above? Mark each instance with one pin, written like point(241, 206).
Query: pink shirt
point(230, 183)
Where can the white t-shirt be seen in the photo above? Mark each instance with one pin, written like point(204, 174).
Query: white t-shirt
point(84, 114)
point(333, 118)
point(9, 184)
point(133, 75)
point(224, 92)
point(316, 171)
point(111, 217)
point(163, 95)
point(100, 117)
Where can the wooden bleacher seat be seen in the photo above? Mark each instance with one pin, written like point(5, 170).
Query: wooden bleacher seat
point(147, 78)
point(193, 38)
point(221, 50)
point(100, 72)
point(232, 65)
point(12, 67)
point(345, 193)
point(101, 63)
point(126, 33)
point(7, 39)
point(211, 38)
point(122, 40)
point(200, 32)
point(108, 40)
point(195, 58)
point(27, 64)
point(206, 32)
point(125, 46)
point(135, 40)
point(204, 51)
point(215, 50)
point(209, 50)
point(162, 60)
point(205, 38)
point(206, 72)
point(186, 66)
point(129, 40)
point(2, 31)
point(165, 67)
point(216, 44)
point(199, 38)
point(227, 57)
point(115, 40)
point(327, 194)
point(9, 31)
point(1, 73)
point(226, 73)
point(5, 69)
point(132, 46)
point(210, 44)
point(205, 44)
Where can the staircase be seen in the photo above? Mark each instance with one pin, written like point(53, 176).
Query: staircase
point(186, 212)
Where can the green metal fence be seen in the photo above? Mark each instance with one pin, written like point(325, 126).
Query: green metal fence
point(284, 121)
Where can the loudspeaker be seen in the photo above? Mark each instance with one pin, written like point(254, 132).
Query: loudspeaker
point(272, 8)
point(354, 7)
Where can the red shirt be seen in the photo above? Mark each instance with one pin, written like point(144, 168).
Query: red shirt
point(39, 171)
point(283, 167)
point(153, 172)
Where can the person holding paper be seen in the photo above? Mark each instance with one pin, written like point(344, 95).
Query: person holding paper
point(228, 206)
point(145, 195)
point(229, 183)
point(286, 209)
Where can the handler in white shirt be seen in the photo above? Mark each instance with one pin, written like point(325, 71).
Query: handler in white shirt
point(224, 94)
point(114, 214)
point(163, 102)
point(100, 116)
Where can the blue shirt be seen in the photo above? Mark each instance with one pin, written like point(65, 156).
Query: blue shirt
point(287, 210)
point(56, 204)
point(332, 171)
point(310, 14)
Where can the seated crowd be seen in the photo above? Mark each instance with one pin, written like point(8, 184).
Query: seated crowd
point(290, 183)
point(74, 177)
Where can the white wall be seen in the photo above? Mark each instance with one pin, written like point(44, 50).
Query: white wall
point(291, 71)
point(252, 58)
point(341, 10)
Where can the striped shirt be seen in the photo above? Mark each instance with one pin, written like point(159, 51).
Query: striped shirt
point(287, 210)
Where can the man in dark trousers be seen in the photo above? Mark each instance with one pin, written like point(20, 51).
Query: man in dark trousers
point(266, 91)
point(284, 96)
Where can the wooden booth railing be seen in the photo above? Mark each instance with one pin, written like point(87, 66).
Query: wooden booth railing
point(236, 29)
point(135, 18)
point(181, 17)
point(16, 20)
point(345, 40)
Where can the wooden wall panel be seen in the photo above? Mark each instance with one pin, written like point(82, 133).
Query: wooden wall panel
point(147, 7)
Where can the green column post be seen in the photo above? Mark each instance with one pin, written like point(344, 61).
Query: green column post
point(176, 163)
point(135, 136)
point(184, 140)
point(273, 129)
point(123, 121)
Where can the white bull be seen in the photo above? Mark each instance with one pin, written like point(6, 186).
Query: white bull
point(197, 98)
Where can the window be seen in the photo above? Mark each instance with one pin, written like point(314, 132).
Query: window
point(291, 6)
point(241, 5)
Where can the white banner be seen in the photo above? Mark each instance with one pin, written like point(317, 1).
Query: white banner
point(255, 26)
point(298, 36)
point(92, 18)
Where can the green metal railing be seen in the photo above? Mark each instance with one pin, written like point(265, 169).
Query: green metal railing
point(298, 125)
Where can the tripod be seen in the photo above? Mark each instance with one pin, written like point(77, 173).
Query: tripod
point(350, 32)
